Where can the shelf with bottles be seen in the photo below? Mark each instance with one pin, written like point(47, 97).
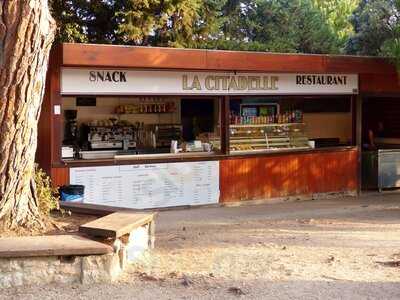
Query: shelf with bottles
point(265, 125)
point(109, 123)
point(146, 108)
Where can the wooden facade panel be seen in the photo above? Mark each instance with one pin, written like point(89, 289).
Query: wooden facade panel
point(50, 124)
point(358, 64)
point(84, 55)
point(60, 176)
point(56, 99)
point(132, 57)
point(43, 151)
point(262, 62)
point(380, 84)
point(288, 175)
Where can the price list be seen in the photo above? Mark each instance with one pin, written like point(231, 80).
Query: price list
point(150, 185)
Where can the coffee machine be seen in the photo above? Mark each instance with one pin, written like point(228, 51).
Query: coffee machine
point(114, 137)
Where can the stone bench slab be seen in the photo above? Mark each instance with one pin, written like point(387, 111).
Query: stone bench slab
point(116, 224)
point(93, 209)
point(52, 245)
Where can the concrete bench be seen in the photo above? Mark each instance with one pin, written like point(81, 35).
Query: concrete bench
point(119, 224)
point(132, 233)
point(40, 260)
point(93, 209)
point(121, 237)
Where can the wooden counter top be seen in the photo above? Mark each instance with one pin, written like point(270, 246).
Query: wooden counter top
point(154, 158)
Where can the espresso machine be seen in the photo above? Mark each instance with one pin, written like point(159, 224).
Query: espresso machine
point(112, 137)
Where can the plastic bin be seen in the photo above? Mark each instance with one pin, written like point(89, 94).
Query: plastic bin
point(72, 193)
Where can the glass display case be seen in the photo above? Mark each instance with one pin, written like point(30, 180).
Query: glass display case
point(262, 137)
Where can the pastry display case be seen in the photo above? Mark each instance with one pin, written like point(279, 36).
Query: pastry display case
point(262, 137)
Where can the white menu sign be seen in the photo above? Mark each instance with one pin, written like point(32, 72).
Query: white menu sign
point(150, 185)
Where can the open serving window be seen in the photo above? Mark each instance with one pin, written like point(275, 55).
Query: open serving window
point(128, 127)
point(126, 114)
point(289, 123)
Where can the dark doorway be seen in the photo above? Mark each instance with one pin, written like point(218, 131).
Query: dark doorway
point(197, 115)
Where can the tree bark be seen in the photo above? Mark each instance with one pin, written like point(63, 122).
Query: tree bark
point(26, 36)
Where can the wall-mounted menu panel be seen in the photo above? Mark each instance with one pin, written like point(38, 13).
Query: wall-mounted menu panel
point(150, 185)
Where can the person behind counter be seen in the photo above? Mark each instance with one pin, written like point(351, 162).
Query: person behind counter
point(373, 134)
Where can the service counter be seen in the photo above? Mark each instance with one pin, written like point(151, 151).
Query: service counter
point(178, 180)
point(186, 157)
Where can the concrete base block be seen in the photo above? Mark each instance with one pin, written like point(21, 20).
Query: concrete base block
point(100, 268)
point(87, 269)
point(72, 269)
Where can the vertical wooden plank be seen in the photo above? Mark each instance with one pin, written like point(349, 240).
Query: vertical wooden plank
point(56, 99)
point(268, 178)
point(305, 165)
point(327, 166)
point(359, 140)
point(274, 175)
point(354, 179)
point(353, 100)
point(224, 116)
point(60, 176)
point(318, 183)
point(44, 153)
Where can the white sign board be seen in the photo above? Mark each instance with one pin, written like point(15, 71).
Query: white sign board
point(150, 185)
point(75, 81)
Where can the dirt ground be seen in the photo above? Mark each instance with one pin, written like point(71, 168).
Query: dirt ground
point(324, 249)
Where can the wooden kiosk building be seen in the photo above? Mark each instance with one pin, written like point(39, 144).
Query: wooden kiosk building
point(158, 127)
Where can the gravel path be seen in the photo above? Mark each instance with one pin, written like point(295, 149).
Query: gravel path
point(326, 249)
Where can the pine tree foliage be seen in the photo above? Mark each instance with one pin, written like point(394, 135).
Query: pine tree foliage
point(366, 27)
point(175, 23)
point(374, 23)
point(337, 13)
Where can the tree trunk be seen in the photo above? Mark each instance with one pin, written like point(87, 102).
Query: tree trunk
point(26, 35)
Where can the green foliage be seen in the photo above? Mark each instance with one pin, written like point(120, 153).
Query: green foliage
point(304, 27)
point(160, 22)
point(275, 25)
point(47, 195)
point(365, 27)
point(377, 30)
point(308, 26)
point(373, 22)
point(84, 21)
point(391, 48)
point(337, 13)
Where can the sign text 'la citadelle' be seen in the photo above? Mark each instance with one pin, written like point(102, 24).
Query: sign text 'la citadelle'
point(229, 82)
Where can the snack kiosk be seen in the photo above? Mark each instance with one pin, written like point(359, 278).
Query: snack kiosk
point(144, 127)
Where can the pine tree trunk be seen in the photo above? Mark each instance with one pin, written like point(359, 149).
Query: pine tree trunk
point(26, 35)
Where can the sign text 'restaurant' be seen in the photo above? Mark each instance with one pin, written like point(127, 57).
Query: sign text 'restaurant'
point(321, 80)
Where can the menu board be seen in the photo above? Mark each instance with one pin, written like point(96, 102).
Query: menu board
point(150, 185)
